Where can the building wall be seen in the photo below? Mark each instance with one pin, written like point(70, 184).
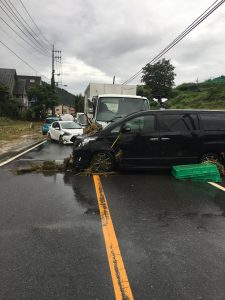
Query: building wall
point(64, 109)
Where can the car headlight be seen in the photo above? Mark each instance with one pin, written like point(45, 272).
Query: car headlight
point(66, 133)
point(87, 140)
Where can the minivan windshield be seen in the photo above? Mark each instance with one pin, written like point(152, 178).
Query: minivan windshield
point(81, 119)
point(111, 108)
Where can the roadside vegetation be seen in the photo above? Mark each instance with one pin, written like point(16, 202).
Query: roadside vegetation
point(158, 82)
point(14, 129)
point(205, 95)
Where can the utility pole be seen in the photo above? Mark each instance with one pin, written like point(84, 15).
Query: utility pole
point(53, 85)
point(53, 69)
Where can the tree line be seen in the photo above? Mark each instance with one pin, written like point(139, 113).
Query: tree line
point(42, 98)
point(157, 83)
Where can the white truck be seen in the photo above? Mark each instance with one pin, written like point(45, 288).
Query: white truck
point(104, 103)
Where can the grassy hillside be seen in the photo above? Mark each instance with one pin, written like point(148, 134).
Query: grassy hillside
point(208, 95)
point(66, 98)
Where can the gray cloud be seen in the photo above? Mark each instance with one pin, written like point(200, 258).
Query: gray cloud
point(103, 38)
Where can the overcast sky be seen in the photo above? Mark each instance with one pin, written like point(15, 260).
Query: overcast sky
point(103, 38)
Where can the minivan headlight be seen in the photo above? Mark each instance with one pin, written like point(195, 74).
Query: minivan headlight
point(87, 140)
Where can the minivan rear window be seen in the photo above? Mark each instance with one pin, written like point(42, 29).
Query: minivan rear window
point(215, 121)
point(178, 122)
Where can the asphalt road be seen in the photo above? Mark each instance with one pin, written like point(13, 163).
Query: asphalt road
point(171, 234)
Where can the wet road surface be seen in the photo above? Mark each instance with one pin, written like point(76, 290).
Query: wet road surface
point(171, 234)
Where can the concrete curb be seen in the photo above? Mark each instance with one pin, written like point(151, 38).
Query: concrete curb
point(13, 152)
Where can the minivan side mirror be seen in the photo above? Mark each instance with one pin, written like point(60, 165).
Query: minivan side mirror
point(125, 129)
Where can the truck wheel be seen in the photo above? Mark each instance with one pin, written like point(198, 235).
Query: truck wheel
point(102, 162)
point(209, 157)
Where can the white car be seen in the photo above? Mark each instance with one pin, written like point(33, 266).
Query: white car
point(65, 132)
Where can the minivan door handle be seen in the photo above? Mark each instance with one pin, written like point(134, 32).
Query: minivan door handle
point(165, 139)
point(154, 139)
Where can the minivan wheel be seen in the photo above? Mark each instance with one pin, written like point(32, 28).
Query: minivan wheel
point(210, 157)
point(102, 162)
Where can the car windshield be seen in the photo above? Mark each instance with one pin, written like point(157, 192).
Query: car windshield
point(111, 108)
point(70, 125)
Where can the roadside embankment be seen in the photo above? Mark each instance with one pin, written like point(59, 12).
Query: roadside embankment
point(16, 136)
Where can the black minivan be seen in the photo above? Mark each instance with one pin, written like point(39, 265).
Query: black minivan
point(154, 139)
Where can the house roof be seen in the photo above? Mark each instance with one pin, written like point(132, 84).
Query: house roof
point(7, 77)
point(30, 80)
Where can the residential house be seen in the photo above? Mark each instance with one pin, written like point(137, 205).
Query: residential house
point(31, 81)
point(18, 85)
point(8, 78)
point(64, 109)
point(20, 95)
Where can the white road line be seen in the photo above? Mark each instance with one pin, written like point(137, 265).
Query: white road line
point(20, 154)
point(217, 186)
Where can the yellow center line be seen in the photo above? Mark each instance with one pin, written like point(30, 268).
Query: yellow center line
point(217, 186)
point(120, 281)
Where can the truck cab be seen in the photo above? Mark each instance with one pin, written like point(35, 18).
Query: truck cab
point(109, 107)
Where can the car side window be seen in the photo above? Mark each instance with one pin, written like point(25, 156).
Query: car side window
point(141, 124)
point(55, 125)
point(215, 121)
point(178, 122)
point(116, 129)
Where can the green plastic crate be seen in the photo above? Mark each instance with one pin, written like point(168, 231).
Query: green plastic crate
point(197, 172)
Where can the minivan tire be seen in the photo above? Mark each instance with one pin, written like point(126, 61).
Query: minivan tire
point(102, 162)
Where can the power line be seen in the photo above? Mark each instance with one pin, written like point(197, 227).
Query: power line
point(20, 35)
point(18, 56)
point(36, 45)
point(194, 24)
point(34, 23)
point(44, 43)
point(11, 8)
point(13, 39)
point(22, 59)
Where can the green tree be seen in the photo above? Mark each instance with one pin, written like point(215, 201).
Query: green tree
point(159, 77)
point(144, 91)
point(44, 97)
point(79, 103)
point(8, 106)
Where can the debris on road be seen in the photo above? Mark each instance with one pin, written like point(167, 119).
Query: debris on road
point(48, 166)
point(92, 128)
point(197, 172)
point(220, 166)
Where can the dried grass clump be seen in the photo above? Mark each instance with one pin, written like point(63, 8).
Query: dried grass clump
point(119, 155)
point(219, 165)
point(93, 128)
point(48, 166)
point(68, 163)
